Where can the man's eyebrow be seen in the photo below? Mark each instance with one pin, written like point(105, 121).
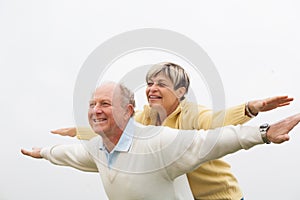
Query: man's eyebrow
point(101, 100)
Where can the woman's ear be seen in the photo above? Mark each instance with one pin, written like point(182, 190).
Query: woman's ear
point(180, 92)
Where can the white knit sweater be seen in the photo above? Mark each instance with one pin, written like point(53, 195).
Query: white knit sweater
point(157, 156)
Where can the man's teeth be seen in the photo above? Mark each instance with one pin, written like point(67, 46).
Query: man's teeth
point(99, 120)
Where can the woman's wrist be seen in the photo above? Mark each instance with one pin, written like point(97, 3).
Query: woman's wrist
point(248, 111)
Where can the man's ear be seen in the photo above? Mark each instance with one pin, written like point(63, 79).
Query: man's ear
point(130, 110)
point(180, 92)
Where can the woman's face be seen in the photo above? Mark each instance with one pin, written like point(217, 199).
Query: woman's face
point(161, 94)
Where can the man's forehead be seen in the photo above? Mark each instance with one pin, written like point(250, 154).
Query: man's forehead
point(107, 91)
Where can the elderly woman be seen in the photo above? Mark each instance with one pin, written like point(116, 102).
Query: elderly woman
point(167, 84)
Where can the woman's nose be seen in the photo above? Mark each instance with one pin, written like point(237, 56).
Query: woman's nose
point(153, 87)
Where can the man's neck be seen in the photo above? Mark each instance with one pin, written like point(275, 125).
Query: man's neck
point(111, 141)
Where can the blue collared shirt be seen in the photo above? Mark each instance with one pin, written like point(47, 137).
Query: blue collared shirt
point(123, 144)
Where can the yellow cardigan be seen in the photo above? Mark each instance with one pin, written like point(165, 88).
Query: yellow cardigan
point(213, 179)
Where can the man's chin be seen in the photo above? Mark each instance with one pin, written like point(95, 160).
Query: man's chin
point(97, 130)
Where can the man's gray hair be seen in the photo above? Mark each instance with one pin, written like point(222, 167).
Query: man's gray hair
point(127, 94)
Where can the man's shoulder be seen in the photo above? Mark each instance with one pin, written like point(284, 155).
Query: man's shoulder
point(153, 132)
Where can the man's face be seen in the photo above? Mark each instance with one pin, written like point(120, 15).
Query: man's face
point(105, 110)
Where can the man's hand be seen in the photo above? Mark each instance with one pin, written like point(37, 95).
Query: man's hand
point(278, 132)
point(268, 104)
point(35, 153)
point(65, 131)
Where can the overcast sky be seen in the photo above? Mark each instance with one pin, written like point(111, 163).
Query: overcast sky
point(253, 44)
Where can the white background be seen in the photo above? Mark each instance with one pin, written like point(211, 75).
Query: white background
point(254, 44)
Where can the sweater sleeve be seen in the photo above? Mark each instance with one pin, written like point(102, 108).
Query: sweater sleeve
point(74, 155)
point(192, 148)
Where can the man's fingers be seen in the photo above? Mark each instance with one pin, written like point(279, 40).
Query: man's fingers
point(35, 153)
point(291, 122)
point(282, 138)
point(284, 104)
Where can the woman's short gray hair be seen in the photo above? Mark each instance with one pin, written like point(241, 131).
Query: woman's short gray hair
point(174, 72)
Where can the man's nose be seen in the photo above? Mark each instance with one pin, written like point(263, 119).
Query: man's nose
point(97, 109)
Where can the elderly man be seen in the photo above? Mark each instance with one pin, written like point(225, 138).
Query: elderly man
point(142, 162)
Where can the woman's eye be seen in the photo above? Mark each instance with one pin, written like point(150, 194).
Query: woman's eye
point(149, 84)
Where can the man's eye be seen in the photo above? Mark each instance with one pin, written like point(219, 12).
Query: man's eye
point(92, 105)
point(105, 104)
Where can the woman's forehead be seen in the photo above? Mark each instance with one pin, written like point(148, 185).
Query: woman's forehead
point(160, 77)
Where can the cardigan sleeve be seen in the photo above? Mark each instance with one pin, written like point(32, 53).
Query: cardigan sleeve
point(231, 116)
point(85, 133)
point(200, 117)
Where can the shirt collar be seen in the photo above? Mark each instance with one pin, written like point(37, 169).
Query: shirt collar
point(125, 140)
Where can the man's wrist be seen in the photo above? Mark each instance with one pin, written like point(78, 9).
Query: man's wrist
point(263, 129)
